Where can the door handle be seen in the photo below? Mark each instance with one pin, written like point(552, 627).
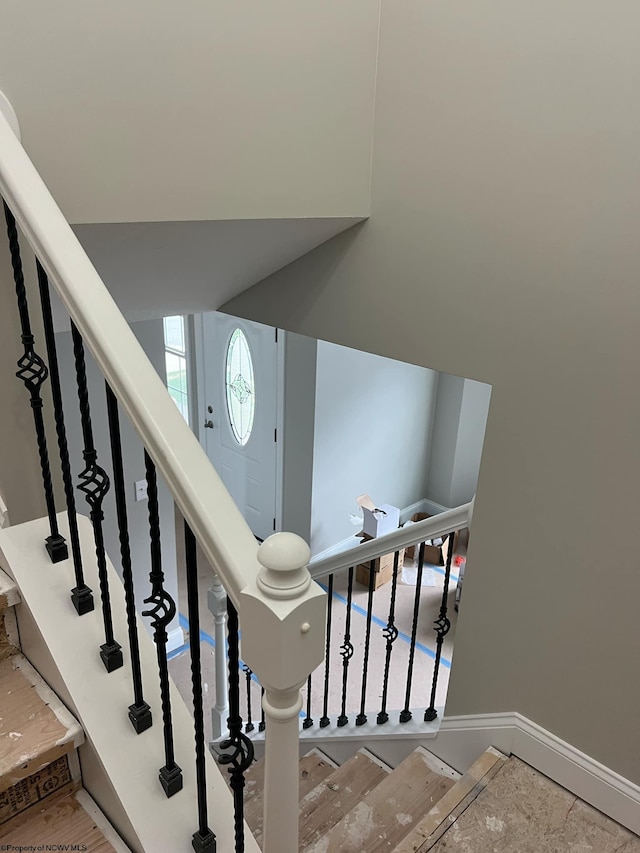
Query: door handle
point(208, 424)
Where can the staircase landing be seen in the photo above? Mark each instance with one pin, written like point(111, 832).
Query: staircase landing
point(518, 809)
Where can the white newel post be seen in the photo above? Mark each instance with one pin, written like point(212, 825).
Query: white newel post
point(217, 602)
point(283, 618)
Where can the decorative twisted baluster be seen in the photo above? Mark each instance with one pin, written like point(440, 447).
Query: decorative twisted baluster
point(405, 714)
point(361, 719)
point(390, 633)
point(81, 595)
point(442, 626)
point(248, 672)
point(324, 719)
point(94, 484)
point(263, 717)
point(203, 841)
point(162, 613)
point(241, 755)
point(139, 711)
point(33, 372)
point(346, 650)
point(308, 722)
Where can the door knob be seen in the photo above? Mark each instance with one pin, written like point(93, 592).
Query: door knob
point(208, 424)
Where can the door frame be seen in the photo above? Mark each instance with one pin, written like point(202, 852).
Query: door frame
point(195, 335)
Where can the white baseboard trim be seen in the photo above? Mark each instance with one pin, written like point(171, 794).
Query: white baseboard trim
point(513, 734)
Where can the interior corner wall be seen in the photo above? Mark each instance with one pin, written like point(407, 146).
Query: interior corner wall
point(462, 407)
point(444, 439)
point(150, 335)
point(299, 417)
point(373, 419)
point(474, 412)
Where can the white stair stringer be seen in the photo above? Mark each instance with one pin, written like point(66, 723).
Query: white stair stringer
point(120, 768)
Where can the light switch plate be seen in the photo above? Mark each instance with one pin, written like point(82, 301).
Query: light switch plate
point(141, 490)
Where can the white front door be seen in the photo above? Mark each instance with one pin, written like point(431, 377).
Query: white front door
point(240, 413)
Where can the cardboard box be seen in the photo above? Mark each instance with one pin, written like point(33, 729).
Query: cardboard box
point(432, 553)
point(378, 520)
point(383, 568)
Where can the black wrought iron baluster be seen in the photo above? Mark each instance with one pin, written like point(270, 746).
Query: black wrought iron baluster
point(81, 594)
point(33, 372)
point(241, 755)
point(308, 721)
point(346, 650)
point(324, 719)
point(361, 719)
point(162, 613)
point(202, 841)
point(405, 714)
point(263, 719)
point(443, 626)
point(390, 633)
point(248, 672)
point(94, 483)
point(139, 711)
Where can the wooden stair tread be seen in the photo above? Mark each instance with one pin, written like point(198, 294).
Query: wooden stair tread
point(35, 727)
point(9, 592)
point(427, 832)
point(387, 813)
point(327, 804)
point(70, 820)
point(314, 767)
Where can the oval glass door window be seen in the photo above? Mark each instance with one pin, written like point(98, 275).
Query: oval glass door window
point(241, 399)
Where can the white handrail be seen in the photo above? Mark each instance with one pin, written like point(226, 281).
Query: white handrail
point(283, 635)
point(214, 518)
point(438, 525)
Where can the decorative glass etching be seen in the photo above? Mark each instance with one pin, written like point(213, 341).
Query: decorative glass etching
point(241, 400)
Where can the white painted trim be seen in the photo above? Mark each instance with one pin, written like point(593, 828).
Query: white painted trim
point(438, 525)
point(216, 522)
point(100, 821)
point(576, 771)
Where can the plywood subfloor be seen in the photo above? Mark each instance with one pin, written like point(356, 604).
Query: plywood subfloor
point(521, 810)
point(63, 822)
point(35, 728)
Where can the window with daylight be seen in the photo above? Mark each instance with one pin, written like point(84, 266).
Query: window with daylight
point(241, 399)
point(175, 354)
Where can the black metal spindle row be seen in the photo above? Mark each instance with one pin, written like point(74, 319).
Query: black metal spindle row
point(94, 483)
point(390, 634)
point(33, 372)
point(81, 594)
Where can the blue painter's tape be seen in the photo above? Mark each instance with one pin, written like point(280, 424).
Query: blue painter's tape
point(401, 636)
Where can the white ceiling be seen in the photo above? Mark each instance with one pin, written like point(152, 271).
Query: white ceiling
point(154, 269)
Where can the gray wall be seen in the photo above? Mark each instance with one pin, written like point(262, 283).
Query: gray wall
point(373, 421)
point(299, 418)
point(462, 406)
point(502, 246)
point(150, 335)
